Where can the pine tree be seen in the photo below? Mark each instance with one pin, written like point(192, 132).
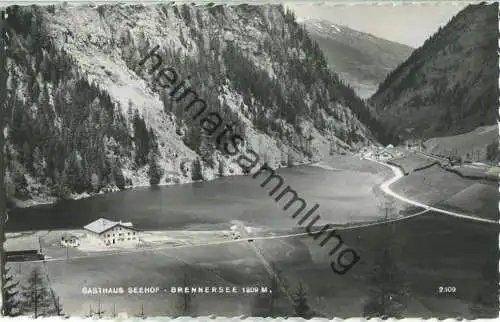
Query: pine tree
point(388, 293)
point(60, 187)
point(118, 176)
point(37, 297)
point(12, 302)
point(75, 174)
point(141, 140)
point(197, 171)
point(185, 304)
point(222, 165)
point(301, 307)
point(492, 152)
point(94, 182)
point(38, 164)
point(56, 304)
point(19, 181)
point(155, 172)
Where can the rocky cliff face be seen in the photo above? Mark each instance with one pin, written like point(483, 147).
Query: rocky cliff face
point(87, 117)
point(361, 59)
point(449, 85)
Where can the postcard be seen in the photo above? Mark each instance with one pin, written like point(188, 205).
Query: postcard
point(295, 159)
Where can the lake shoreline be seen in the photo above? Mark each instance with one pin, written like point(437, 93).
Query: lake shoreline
point(50, 200)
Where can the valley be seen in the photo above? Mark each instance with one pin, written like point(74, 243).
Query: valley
point(204, 249)
point(397, 146)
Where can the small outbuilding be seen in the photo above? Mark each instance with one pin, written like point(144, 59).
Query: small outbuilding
point(22, 249)
point(70, 241)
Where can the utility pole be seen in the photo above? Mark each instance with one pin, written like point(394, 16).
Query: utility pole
point(3, 102)
point(35, 297)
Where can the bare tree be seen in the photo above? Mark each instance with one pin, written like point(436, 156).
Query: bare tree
point(113, 313)
point(388, 209)
point(99, 313)
point(91, 312)
point(141, 314)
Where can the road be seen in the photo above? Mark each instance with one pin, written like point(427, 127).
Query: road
point(219, 242)
point(398, 174)
point(385, 187)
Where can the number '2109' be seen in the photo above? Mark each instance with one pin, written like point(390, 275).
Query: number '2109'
point(447, 289)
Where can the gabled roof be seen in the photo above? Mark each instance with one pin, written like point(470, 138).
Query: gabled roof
point(102, 224)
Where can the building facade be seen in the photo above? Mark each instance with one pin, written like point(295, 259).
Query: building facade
point(113, 233)
point(22, 249)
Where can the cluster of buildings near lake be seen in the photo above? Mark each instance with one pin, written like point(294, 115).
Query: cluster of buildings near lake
point(100, 232)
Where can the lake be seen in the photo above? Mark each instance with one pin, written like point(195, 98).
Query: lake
point(345, 193)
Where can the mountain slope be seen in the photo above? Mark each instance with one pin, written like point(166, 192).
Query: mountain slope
point(450, 84)
point(86, 117)
point(361, 59)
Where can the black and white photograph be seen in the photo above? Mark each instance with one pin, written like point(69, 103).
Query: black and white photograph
point(294, 159)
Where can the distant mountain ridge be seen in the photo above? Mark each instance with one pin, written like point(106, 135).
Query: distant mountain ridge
point(361, 59)
point(449, 85)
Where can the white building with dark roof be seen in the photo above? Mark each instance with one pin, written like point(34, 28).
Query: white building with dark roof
point(113, 232)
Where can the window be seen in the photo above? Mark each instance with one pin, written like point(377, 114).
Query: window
point(133, 237)
point(133, 233)
point(129, 233)
point(128, 238)
point(120, 234)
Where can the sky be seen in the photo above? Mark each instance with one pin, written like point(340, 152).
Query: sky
point(409, 24)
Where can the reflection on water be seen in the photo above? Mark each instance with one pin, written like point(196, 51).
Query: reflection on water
point(342, 195)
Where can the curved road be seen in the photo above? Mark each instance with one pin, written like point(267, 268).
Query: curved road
point(385, 187)
point(398, 174)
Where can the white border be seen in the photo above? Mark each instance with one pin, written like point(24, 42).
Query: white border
point(5, 3)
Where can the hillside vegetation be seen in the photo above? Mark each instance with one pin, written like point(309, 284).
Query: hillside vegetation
point(449, 85)
point(85, 117)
